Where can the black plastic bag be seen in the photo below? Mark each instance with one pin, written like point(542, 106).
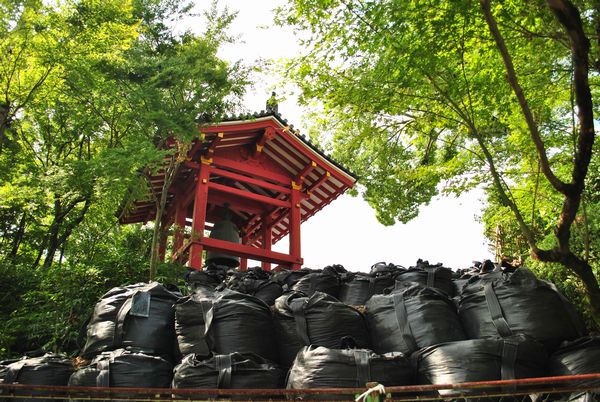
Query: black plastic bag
point(480, 360)
point(231, 322)
point(319, 320)
point(412, 318)
point(288, 277)
point(231, 371)
point(382, 268)
point(326, 282)
point(433, 276)
point(48, 369)
point(581, 356)
point(124, 368)
point(255, 285)
point(462, 276)
point(320, 367)
point(361, 287)
point(140, 316)
point(207, 279)
point(498, 304)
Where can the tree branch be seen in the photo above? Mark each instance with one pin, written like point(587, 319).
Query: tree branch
point(511, 75)
point(568, 16)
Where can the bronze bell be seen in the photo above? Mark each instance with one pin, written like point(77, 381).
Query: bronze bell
point(228, 231)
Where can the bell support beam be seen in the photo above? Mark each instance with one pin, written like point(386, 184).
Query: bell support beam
point(251, 170)
point(246, 194)
point(243, 260)
point(249, 252)
point(249, 180)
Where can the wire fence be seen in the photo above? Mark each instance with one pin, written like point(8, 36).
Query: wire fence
point(580, 388)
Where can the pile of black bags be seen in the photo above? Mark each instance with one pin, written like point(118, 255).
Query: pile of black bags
point(412, 318)
point(425, 324)
point(131, 338)
point(319, 320)
point(124, 368)
point(229, 371)
point(321, 367)
point(48, 369)
point(226, 323)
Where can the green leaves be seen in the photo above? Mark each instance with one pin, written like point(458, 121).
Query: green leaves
point(418, 98)
point(90, 92)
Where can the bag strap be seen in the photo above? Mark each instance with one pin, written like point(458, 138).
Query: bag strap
point(207, 307)
point(314, 281)
point(431, 277)
point(224, 367)
point(363, 368)
point(298, 308)
point(103, 379)
point(402, 320)
point(496, 311)
point(372, 286)
point(510, 349)
point(119, 332)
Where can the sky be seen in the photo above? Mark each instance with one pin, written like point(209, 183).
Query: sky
point(346, 231)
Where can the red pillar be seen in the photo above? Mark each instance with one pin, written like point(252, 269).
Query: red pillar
point(244, 261)
point(199, 217)
point(295, 220)
point(267, 235)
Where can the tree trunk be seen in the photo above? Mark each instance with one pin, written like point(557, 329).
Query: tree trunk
point(18, 237)
point(51, 242)
point(579, 267)
point(156, 233)
point(4, 118)
point(55, 239)
point(584, 271)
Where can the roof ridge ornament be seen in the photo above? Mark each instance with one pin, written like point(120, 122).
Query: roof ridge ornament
point(272, 103)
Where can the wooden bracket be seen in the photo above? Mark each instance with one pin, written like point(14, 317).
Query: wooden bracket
point(318, 182)
point(268, 135)
point(213, 145)
point(305, 172)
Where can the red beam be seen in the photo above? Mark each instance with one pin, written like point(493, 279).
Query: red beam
point(244, 251)
point(306, 171)
point(234, 202)
point(318, 183)
point(250, 180)
point(213, 145)
point(251, 170)
point(268, 135)
point(246, 194)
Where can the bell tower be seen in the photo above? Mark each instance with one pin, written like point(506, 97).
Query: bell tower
point(248, 181)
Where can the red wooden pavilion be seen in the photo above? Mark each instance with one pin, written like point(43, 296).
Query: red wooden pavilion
point(272, 179)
